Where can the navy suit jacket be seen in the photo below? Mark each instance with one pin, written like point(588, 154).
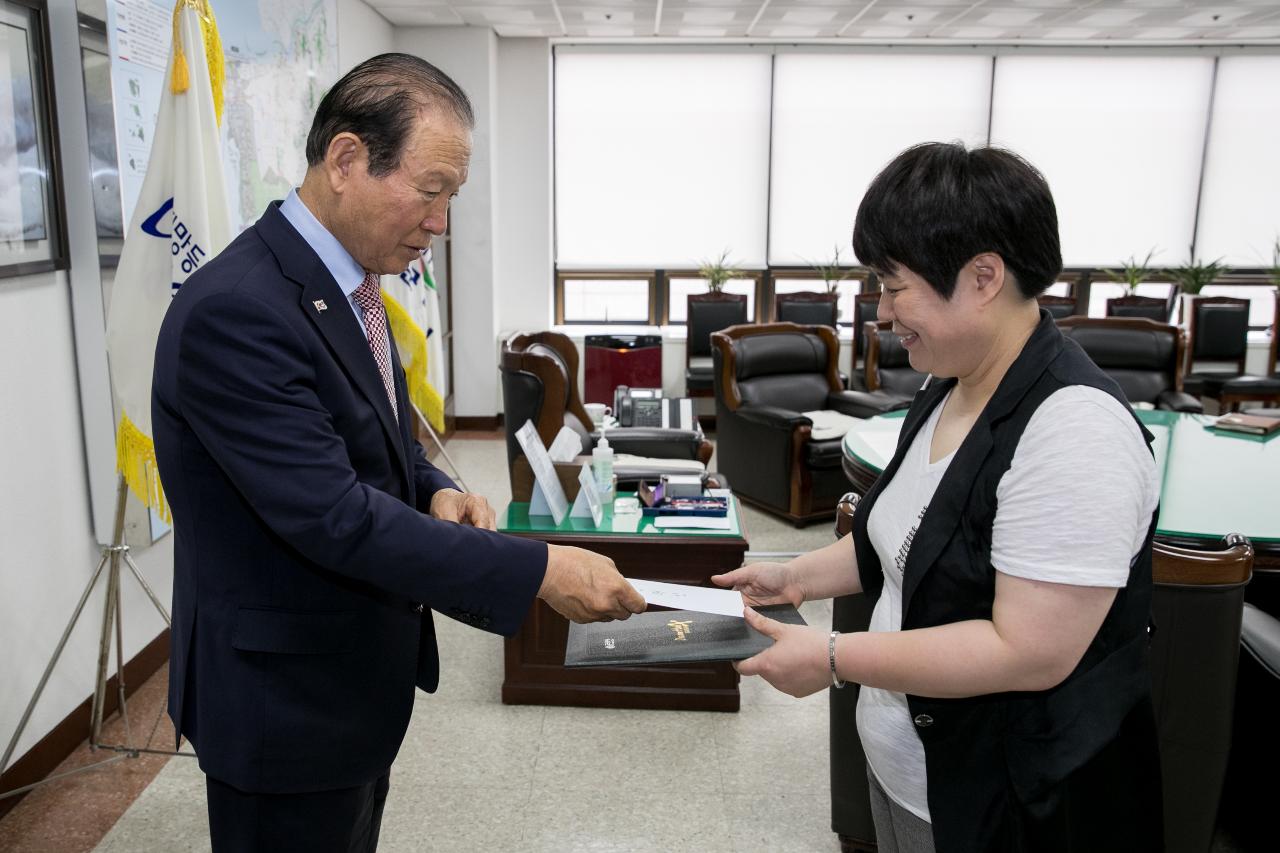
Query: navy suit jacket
point(302, 551)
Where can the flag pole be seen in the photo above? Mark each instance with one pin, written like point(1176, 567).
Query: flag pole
point(457, 474)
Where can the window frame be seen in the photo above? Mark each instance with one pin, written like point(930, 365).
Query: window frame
point(757, 276)
point(856, 273)
point(562, 276)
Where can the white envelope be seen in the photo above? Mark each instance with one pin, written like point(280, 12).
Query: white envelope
point(725, 602)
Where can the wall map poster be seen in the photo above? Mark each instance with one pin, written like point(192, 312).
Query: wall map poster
point(281, 57)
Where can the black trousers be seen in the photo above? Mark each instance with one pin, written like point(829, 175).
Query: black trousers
point(342, 821)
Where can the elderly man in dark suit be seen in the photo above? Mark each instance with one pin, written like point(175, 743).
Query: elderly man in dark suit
point(312, 536)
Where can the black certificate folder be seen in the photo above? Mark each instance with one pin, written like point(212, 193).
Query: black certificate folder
point(671, 636)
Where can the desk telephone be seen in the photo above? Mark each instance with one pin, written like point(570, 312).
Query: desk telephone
point(646, 407)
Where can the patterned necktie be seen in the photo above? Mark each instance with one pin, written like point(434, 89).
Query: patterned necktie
point(369, 297)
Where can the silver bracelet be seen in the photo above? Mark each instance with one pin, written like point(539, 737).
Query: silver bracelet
point(831, 658)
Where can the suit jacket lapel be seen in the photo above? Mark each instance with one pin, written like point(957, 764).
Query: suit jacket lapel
point(334, 320)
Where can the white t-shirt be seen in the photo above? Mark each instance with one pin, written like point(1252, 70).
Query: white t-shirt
point(1073, 508)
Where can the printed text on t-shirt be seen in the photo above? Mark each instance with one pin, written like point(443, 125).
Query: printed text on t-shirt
point(901, 560)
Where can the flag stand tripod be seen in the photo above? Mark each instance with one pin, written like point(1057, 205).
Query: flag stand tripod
point(112, 618)
point(113, 556)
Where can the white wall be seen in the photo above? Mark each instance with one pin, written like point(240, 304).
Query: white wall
point(47, 533)
point(523, 262)
point(49, 550)
point(470, 56)
point(362, 33)
point(501, 221)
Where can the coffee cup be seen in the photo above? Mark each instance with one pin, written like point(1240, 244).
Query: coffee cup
point(598, 412)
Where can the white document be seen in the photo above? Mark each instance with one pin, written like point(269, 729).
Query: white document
point(548, 495)
point(588, 503)
point(725, 602)
point(566, 447)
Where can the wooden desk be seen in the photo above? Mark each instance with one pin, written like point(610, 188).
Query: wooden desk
point(534, 663)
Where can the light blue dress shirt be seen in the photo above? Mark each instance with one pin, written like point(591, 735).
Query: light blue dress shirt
point(345, 271)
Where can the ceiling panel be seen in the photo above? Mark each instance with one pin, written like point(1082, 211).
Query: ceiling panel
point(885, 20)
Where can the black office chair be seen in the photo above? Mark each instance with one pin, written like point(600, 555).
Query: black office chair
point(1143, 356)
point(1219, 331)
point(1196, 609)
point(540, 383)
point(1148, 307)
point(707, 313)
point(807, 308)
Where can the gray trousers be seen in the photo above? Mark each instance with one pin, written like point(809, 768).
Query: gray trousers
point(897, 830)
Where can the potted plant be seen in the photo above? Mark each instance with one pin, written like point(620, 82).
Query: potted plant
point(1193, 276)
point(1133, 272)
point(832, 273)
point(716, 273)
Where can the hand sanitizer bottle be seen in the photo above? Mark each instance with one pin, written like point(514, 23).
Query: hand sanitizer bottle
point(602, 468)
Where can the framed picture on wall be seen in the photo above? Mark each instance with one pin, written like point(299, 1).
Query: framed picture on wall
point(30, 233)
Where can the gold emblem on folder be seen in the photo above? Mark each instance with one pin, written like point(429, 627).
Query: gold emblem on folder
point(681, 628)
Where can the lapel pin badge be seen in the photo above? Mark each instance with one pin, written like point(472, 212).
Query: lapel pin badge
point(320, 306)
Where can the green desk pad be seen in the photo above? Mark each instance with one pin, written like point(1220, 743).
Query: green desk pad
point(516, 519)
point(1213, 482)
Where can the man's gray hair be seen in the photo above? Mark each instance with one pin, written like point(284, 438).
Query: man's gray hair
point(379, 101)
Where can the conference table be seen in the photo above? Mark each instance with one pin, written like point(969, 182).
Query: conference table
point(534, 671)
point(1213, 482)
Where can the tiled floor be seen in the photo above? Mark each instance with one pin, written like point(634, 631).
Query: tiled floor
point(475, 774)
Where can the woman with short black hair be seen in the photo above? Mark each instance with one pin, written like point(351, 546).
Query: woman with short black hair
point(1006, 703)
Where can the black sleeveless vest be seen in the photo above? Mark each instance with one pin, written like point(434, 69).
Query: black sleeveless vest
point(1000, 766)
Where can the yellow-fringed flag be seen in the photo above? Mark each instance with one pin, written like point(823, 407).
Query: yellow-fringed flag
point(413, 307)
point(180, 222)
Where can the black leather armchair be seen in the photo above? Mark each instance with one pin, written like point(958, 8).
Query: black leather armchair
point(707, 313)
point(540, 383)
point(1196, 607)
point(866, 307)
point(766, 376)
point(1143, 356)
point(887, 369)
point(1219, 331)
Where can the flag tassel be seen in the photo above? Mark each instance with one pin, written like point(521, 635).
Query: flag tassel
point(136, 461)
point(412, 343)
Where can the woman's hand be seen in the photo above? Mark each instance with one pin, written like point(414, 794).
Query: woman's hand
point(763, 583)
point(797, 661)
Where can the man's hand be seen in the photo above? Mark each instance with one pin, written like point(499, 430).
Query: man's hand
point(583, 586)
point(797, 661)
point(763, 583)
point(463, 508)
